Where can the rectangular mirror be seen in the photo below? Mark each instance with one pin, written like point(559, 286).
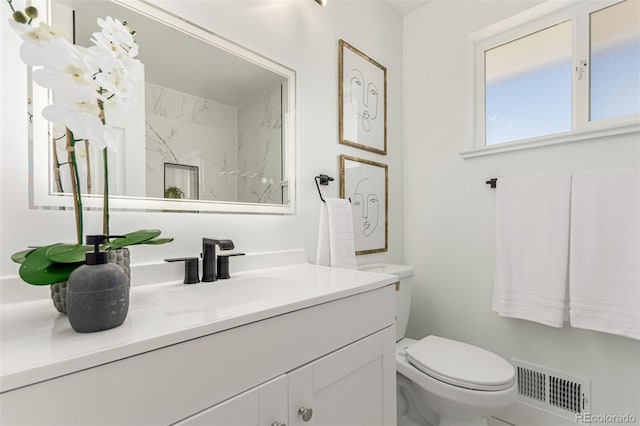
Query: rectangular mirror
point(212, 130)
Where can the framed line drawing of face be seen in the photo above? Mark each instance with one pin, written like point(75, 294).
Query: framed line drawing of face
point(366, 184)
point(362, 100)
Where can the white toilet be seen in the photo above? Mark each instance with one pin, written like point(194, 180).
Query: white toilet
point(442, 382)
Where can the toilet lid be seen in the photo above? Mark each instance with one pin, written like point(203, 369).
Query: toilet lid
point(460, 364)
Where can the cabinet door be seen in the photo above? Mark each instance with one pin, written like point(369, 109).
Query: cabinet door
point(352, 386)
point(263, 405)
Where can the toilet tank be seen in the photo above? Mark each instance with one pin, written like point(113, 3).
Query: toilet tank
point(403, 292)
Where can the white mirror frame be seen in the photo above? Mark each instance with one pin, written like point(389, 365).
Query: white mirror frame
point(41, 185)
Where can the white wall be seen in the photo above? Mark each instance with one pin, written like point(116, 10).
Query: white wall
point(450, 213)
point(298, 34)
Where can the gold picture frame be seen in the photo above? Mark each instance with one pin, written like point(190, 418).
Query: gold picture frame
point(365, 183)
point(362, 110)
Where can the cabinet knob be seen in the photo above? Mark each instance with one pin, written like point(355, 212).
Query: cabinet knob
point(306, 413)
point(277, 423)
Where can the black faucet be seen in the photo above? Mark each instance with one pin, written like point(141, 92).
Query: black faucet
point(209, 260)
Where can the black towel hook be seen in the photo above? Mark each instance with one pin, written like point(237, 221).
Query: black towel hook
point(323, 180)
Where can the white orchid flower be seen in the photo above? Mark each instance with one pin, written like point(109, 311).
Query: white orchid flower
point(105, 43)
point(45, 32)
point(118, 34)
point(113, 57)
point(82, 124)
point(112, 83)
point(134, 68)
point(56, 53)
point(106, 63)
point(71, 85)
point(19, 28)
point(96, 58)
point(82, 80)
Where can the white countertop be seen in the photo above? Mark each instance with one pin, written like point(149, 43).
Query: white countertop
point(37, 343)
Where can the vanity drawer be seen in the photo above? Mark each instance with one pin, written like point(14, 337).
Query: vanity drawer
point(168, 384)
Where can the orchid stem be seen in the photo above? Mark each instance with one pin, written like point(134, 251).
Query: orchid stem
point(88, 161)
point(105, 198)
point(75, 181)
point(105, 160)
point(56, 167)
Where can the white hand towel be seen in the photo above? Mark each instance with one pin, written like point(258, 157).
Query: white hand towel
point(532, 248)
point(323, 256)
point(604, 271)
point(335, 235)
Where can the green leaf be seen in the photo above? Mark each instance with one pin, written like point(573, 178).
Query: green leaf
point(37, 269)
point(68, 253)
point(20, 256)
point(157, 241)
point(131, 238)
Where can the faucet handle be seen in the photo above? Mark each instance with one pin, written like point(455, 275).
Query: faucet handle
point(191, 265)
point(223, 264)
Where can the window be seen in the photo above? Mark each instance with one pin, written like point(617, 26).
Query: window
point(556, 73)
point(615, 60)
point(528, 86)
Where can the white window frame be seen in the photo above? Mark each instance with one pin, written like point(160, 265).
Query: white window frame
point(528, 22)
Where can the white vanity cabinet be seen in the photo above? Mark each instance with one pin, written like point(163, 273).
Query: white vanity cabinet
point(263, 405)
point(335, 357)
point(351, 386)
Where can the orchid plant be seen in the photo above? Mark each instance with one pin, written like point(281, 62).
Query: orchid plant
point(88, 86)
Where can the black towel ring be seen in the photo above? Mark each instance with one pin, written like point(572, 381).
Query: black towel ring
point(322, 180)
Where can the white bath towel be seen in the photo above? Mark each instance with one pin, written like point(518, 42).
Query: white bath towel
point(604, 271)
point(532, 248)
point(335, 235)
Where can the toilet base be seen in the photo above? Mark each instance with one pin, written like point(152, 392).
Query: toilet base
point(412, 411)
point(408, 421)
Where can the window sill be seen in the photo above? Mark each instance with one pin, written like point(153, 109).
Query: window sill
point(557, 139)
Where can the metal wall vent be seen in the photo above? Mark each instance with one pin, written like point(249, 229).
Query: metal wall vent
point(553, 391)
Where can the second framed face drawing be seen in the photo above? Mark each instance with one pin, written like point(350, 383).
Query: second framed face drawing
point(362, 90)
point(366, 184)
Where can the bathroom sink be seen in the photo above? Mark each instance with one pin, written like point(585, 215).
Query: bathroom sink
point(227, 293)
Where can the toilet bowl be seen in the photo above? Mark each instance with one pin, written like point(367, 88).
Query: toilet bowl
point(483, 384)
point(443, 382)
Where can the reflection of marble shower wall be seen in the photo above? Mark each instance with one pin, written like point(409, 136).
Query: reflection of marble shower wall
point(260, 148)
point(185, 129)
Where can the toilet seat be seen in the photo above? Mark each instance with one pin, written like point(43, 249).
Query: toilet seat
point(461, 364)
